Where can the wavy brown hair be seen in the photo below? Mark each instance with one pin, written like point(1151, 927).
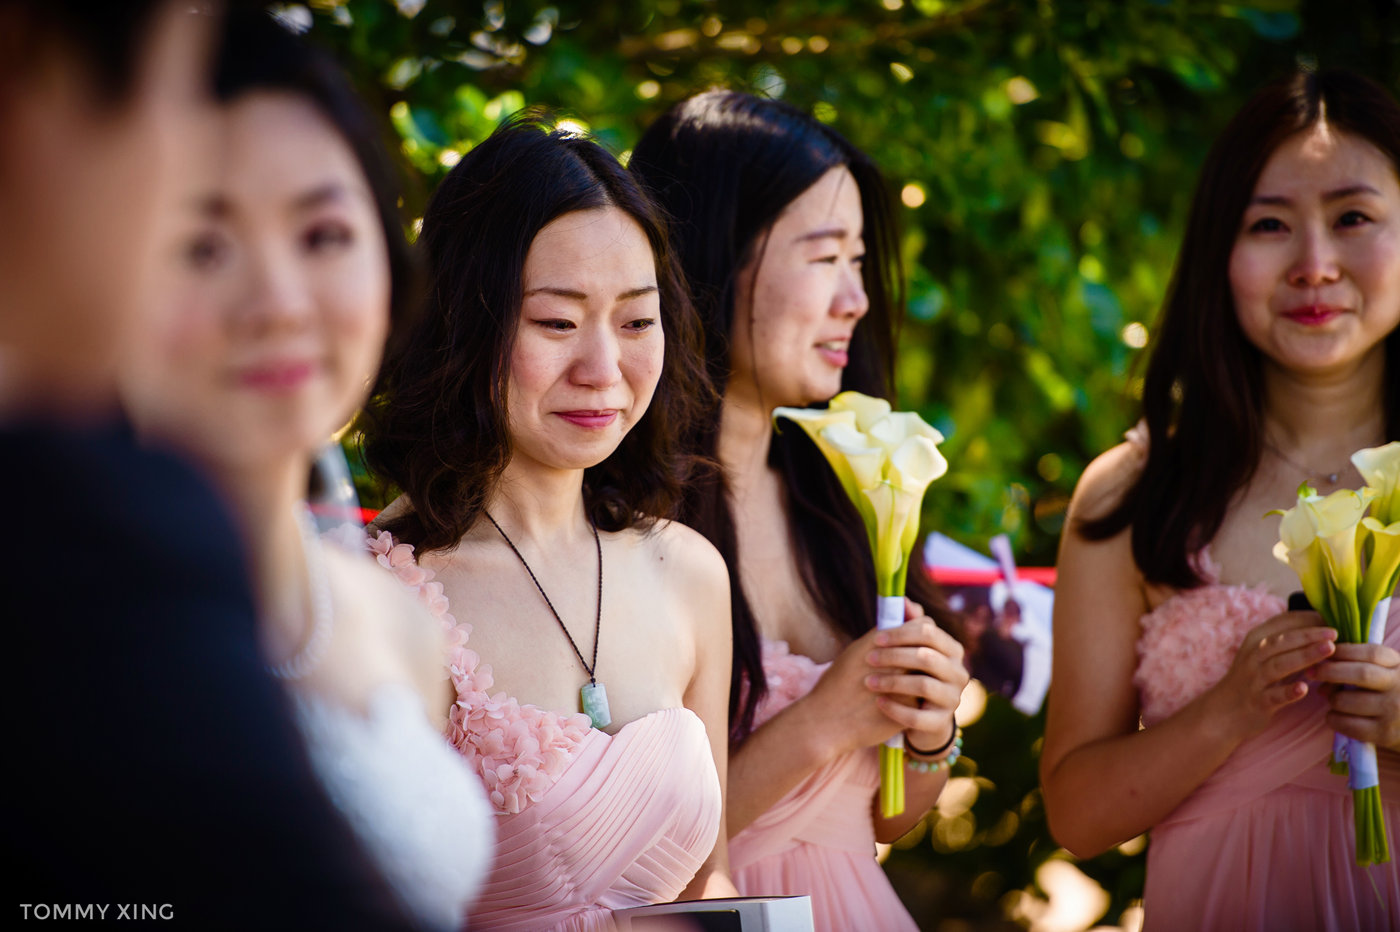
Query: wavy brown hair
point(1203, 396)
point(436, 425)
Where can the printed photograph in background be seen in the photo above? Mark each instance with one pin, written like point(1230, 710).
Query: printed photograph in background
point(1006, 613)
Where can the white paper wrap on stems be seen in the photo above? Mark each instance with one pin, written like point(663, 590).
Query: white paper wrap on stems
point(1363, 771)
point(889, 613)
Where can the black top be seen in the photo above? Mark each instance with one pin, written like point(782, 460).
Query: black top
point(151, 759)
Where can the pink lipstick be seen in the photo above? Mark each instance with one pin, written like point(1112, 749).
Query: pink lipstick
point(589, 420)
point(1312, 315)
point(276, 377)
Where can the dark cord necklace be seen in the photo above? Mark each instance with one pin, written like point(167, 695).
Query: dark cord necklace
point(593, 697)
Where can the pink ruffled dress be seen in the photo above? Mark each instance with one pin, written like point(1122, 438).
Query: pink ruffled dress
point(1267, 843)
point(819, 839)
point(586, 822)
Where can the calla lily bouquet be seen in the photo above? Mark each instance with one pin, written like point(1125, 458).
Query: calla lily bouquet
point(1349, 563)
point(885, 461)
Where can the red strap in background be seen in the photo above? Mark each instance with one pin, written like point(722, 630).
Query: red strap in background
point(954, 576)
point(326, 510)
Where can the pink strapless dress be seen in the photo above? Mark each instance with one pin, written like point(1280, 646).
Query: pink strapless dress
point(819, 839)
point(586, 822)
point(1267, 843)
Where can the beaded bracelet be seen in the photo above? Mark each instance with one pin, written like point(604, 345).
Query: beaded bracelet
point(933, 766)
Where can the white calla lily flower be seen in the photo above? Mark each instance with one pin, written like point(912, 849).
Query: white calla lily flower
point(885, 461)
point(1318, 539)
point(894, 509)
point(867, 408)
point(897, 426)
point(1382, 566)
point(1380, 467)
point(813, 421)
point(913, 466)
point(866, 461)
point(915, 463)
point(1335, 520)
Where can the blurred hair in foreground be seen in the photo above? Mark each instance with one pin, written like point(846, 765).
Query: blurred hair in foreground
point(100, 109)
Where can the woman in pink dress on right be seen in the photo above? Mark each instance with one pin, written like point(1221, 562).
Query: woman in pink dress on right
point(1187, 699)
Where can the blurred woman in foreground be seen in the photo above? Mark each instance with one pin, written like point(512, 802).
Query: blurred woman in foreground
point(292, 265)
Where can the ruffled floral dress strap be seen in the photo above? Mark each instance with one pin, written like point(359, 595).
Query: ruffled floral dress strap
point(399, 559)
point(518, 750)
point(1187, 643)
point(790, 676)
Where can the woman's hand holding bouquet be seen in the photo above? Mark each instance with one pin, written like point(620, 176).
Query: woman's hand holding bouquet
point(885, 461)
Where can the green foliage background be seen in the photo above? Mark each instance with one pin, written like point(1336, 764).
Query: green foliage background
point(1054, 143)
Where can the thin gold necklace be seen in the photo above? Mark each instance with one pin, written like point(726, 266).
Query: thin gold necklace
point(1331, 478)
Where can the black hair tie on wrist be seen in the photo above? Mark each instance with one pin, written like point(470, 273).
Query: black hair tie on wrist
point(953, 736)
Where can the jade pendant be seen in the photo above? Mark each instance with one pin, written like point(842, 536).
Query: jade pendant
point(594, 697)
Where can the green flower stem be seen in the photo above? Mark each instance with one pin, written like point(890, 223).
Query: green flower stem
point(891, 781)
point(1372, 847)
point(892, 759)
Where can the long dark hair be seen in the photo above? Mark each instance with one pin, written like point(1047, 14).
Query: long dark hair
point(1203, 396)
point(258, 54)
point(725, 165)
point(436, 425)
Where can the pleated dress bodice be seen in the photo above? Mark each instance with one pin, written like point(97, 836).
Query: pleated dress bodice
point(586, 822)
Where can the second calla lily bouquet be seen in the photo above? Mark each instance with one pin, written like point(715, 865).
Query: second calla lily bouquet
point(885, 460)
point(1349, 563)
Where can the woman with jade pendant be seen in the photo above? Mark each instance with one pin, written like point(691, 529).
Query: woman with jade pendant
point(532, 422)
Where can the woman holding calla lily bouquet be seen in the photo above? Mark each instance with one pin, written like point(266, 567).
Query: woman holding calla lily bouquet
point(1189, 699)
point(786, 238)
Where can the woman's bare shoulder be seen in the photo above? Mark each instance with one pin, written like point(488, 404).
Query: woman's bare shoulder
point(1101, 572)
point(1106, 481)
point(690, 571)
point(686, 555)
